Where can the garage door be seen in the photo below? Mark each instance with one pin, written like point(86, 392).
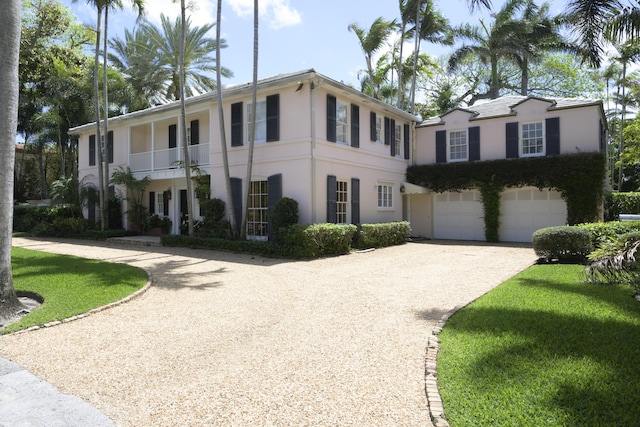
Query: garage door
point(458, 216)
point(525, 210)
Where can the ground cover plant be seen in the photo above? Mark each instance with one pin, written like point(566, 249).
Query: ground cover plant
point(69, 285)
point(544, 348)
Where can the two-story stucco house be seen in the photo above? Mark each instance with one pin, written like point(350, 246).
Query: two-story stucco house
point(340, 154)
point(505, 128)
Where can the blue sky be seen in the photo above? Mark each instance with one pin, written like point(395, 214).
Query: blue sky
point(294, 34)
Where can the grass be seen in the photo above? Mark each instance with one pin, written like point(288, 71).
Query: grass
point(69, 285)
point(544, 348)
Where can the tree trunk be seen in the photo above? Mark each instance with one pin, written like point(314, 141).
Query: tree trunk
point(416, 51)
point(524, 81)
point(223, 136)
point(494, 90)
point(622, 117)
point(104, 207)
point(96, 95)
point(43, 174)
point(10, 23)
point(252, 125)
point(400, 76)
point(183, 120)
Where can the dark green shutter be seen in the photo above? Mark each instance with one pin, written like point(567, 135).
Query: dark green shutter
point(274, 193)
point(331, 118)
point(355, 201)
point(441, 146)
point(273, 118)
point(332, 203)
point(387, 131)
point(407, 142)
point(92, 150)
point(173, 136)
point(152, 202)
point(92, 198)
point(165, 203)
point(355, 126)
point(110, 145)
point(552, 134)
point(512, 149)
point(236, 124)
point(392, 125)
point(195, 132)
point(236, 195)
point(372, 125)
point(474, 143)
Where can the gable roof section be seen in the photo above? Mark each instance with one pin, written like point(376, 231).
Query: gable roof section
point(244, 89)
point(504, 106)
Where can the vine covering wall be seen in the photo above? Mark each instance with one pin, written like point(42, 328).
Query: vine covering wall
point(578, 177)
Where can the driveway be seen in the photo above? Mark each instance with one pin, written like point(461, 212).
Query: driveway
point(234, 339)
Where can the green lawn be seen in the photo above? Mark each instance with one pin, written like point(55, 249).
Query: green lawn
point(69, 285)
point(543, 349)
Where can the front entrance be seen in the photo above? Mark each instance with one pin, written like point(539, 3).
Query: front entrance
point(184, 211)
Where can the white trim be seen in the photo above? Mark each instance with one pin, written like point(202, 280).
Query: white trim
point(521, 139)
point(466, 133)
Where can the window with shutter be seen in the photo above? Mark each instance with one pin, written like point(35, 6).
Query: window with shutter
point(355, 126)
point(441, 146)
point(332, 188)
point(355, 200)
point(474, 143)
point(236, 125)
point(173, 136)
point(194, 132)
point(236, 195)
point(552, 134)
point(152, 202)
point(512, 149)
point(92, 150)
point(110, 145)
point(331, 118)
point(373, 127)
point(274, 189)
point(407, 142)
point(273, 118)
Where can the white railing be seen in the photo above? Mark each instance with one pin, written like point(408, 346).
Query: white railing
point(168, 158)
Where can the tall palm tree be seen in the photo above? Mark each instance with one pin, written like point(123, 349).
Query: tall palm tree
point(198, 62)
point(595, 21)
point(407, 15)
point(371, 41)
point(10, 24)
point(136, 59)
point(223, 136)
point(113, 5)
point(431, 27)
point(490, 44)
point(252, 125)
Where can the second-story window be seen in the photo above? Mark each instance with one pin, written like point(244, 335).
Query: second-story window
point(458, 146)
point(342, 123)
point(532, 139)
point(261, 121)
point(398, 136)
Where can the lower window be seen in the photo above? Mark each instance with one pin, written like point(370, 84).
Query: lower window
point(342, 198)
point(385, 196)
point(257, 221)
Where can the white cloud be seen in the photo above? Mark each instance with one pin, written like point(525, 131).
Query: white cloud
point(277, 13)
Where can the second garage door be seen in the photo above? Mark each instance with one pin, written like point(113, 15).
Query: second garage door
point(525, 210)
point(458, 216)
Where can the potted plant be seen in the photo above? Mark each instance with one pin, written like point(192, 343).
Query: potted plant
point(157, 226)
point(135, 188)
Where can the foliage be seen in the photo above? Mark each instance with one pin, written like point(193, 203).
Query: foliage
point(620, 203)
point(490, 194)
point(69, 285)
point(155, 221)
point(284, 214)
point(213, 213)
point(563, 243)
point(615, 262)
point(134, 192)
point(604, 232)
point(543, 348)
point(381, 235)
point(27, 218)
point(570, 174)
point(318, 239)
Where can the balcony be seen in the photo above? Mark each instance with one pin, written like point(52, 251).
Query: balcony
point(151, 161)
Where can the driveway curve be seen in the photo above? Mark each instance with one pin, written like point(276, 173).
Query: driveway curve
point(234, 339)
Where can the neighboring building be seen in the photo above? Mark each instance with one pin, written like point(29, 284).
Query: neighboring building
point(340, 154)
point(508, 127)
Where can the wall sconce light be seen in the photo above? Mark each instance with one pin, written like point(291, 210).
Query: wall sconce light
point(402, 189)
point(169, 194)
point(299, 88)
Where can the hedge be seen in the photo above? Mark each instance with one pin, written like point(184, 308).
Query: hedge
point(563, 243)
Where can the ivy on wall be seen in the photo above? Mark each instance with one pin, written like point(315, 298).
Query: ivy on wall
point(578, 177)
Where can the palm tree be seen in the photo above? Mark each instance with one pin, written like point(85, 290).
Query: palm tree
point(223, 136)
point(198, 64)
point(595, 21)
point(252, 125)
point(407, 15)
point(490, 44)
point(371, 41)
point(135, 58)
point(10, 24)
point(114, 5)
point(431, 27)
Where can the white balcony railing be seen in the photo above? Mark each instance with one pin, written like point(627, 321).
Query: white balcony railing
point(168, 158)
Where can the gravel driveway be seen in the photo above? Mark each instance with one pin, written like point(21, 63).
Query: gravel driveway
point(229, 339)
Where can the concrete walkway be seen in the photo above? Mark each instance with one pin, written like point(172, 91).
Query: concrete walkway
point(233, 339)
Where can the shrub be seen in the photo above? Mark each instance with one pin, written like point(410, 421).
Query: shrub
point(564, 243)
point(381, 235)
point(603, 232)
point(617, 203)
point(212, 210)
point(283, 215)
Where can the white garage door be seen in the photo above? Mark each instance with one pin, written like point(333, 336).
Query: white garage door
point(458, 216)
point(525, 210)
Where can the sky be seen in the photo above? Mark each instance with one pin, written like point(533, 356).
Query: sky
point(294, 35)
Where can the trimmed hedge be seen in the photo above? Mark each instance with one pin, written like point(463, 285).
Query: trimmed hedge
point(605, 232)
point(619, 203)
point(381, 235)
point(563, 243)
